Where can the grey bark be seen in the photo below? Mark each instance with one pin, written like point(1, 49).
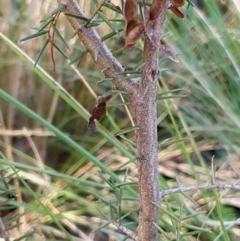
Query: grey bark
point(142, 96)
point(147, 144)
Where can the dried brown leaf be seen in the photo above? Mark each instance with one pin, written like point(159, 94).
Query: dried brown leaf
point(134, 35)
point(177, 12)
point(169, 53)
point(98, 112)
point(130, 13)
point(129, 26)
point(177, 3)
point(156, 8)
point(91, 125)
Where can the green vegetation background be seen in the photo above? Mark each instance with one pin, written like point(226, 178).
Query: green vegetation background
point(70, 182)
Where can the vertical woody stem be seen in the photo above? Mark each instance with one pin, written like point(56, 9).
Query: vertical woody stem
point(143, 100)
point(146, 139)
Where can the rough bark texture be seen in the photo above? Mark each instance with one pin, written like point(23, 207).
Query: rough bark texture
point(92, 42)
point(143, 100)
point(147, 144)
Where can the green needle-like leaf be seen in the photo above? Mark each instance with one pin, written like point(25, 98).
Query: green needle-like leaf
point(45, 25)
point(60, 51)
point(105, 19)
point(78, 57)
point(58, 9)
point(171, 97)
point(105, 37)
point(60, 36)
point(33, 36)
point(75, 16)
point(126, 130)
point(41, 52)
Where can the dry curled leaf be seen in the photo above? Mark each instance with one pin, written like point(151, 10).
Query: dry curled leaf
point(98, 112)
point(133, 29)
point(130, 13)
point(177, 3)
point(177, 12)
point(129, 26)
point(134, 35)
point(156, 8)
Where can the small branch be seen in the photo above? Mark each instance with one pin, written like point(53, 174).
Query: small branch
point(51, 38)
point(95, 12)
point(218, 186)
point(93, 44)
point(146, 137)
point(126, 231)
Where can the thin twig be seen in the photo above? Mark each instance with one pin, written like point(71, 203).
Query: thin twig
point(51, 38)
point(95, 12)
point(109, 65)
point(218, 186)
point(125, 230)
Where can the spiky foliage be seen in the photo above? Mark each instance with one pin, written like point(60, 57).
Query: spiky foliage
point(69, 182)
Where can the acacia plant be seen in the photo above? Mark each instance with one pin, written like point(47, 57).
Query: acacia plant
point(64, 203)
point(141, 93)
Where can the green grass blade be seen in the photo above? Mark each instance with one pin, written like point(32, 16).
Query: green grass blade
point(60, 135)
